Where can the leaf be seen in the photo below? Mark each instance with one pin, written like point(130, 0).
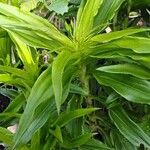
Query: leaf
point(65, 117)
point(35, 141)
point(36, 111)
point(5, 135)
point(15, 71)
point(57, 76)
point(75, 126)
point(137, 44)
point(33, 27)
point(93, 144)
point(59, 6)
point(107, 37)
point(10, 93)
point(77, 90)
point(4, 78)
point(106, 13)
point(113, 52)
point(132, 69)
point(85, 24)
point(131, 88)
point(120, 142)
point(128, 128)
point(28, 5)
point(57, 133)
point(16, 104)
point(25, 55)
point(80, 140)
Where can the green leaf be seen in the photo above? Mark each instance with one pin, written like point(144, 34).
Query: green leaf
point(16, 103)
point(35, 141)
point(107, 37)
point(137, 44)
point(37, 111)
point(15, 71)
point(5, 135)
point(120, 142)
point(85, 24)
point(80, 140)
point(93, 144)
point(4, 78)
point(106, 13)
point(34, 28)
point(132, 69)
point(74, 127)
point(57, 133)
point(128, 128)
point(77, 90)
point(25, 55)
point(59, 6)
point(57, 76)
point(131, 88)
point(65, 117)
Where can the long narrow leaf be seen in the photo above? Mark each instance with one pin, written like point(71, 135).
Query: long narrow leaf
point(131, 88)
point(128, 128)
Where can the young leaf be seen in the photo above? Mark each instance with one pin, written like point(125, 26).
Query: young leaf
point(106, 13)
point(85, 24)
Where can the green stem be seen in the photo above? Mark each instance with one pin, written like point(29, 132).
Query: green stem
point(85, 84)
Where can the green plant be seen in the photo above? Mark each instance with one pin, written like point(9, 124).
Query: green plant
point(53, 107)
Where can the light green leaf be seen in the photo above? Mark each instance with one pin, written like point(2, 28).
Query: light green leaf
point(107, 37)
point(28, 5)
point(4, 78)
point(25, 54)
point(5, 135)
point(137, 44)
point(17, 21)
point(132, 69)
point(85, 24)
point(128, 128)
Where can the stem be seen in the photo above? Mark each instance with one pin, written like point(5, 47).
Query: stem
point(85, 84)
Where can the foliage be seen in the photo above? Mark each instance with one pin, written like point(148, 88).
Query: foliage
point(84, 90)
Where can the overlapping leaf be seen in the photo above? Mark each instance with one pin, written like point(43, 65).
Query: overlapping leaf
point(132, 69)
point(131, 88)
point(30, 27)
point(40, 94)
point(128, 128)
